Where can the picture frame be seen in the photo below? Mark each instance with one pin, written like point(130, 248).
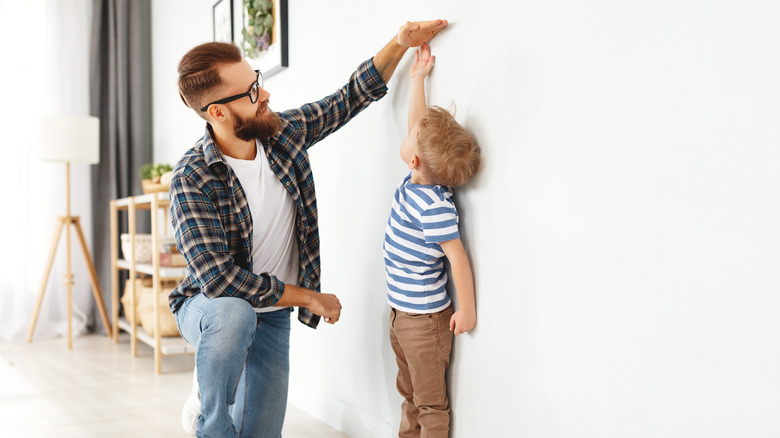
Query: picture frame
point(223, 21)
point(269, 52)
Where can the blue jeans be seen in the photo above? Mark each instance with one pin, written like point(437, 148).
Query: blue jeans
point(243, 364)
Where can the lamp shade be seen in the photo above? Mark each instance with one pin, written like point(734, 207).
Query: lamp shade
point(73, 139)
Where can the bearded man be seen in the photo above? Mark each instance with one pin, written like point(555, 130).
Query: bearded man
point(245, 217)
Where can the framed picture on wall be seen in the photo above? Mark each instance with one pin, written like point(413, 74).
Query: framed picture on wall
point(260, 31)
point(223, 21)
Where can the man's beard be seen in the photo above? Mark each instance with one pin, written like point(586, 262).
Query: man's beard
point(262, 127)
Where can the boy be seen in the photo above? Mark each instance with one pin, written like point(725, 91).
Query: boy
point(422, 229)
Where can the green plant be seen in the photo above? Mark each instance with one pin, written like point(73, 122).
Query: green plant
point(154, 170)
point(258, 28)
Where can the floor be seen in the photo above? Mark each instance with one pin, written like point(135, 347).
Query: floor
point(98, 390)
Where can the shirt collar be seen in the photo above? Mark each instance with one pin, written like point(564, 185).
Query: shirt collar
point(211, 152)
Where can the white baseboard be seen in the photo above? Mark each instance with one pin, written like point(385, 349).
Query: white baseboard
point(337, 414)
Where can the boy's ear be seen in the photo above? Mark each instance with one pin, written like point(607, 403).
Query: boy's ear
point(414, 163)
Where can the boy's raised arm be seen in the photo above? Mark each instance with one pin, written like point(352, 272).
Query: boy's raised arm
point(423, 63)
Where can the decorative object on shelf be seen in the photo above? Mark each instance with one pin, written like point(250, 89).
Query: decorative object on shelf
point(144, 307)
point(70, 139)
point(170, 257)
point(223, 21)
point(140, 283)
point(155, 177)
point(146, 311)
point(143, 247)
point(261, 34)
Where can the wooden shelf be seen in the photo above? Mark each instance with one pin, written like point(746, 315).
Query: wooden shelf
point(169, 345)
point(143, 202)
point(154, 204)
point(166, 273)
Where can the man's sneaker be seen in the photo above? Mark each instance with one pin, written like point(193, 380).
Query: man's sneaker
point(191, 409)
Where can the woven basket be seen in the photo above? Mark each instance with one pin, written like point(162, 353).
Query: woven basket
point(146, 311)
point(143, 247)
point(140, 283)
point(149, 186)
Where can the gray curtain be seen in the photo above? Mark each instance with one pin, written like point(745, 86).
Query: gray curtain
point(121, 96)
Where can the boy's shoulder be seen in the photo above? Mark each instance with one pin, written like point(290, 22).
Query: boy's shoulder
point(430, 196)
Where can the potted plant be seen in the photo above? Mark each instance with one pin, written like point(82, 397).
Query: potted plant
point(155, 177)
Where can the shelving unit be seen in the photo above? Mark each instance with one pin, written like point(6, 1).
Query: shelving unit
point(163, 346)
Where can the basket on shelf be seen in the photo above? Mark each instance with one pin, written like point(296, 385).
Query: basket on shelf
point(146, 311)
point(140, 283)
point(149, 186)
point(144, 307)
point(143, 247)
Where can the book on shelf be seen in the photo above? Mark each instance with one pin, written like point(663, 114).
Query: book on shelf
point(172, 260)
point(169, 255)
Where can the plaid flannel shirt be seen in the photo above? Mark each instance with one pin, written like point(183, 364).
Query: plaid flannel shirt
point(210, 213)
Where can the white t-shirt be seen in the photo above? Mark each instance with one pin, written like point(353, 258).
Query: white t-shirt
point(274, 247)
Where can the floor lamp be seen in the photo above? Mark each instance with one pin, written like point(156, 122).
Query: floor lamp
point(70, 140)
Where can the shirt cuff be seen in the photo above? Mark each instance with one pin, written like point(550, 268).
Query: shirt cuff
point(371, 81)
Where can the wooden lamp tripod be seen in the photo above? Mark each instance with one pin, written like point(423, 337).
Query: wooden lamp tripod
point(72, 140)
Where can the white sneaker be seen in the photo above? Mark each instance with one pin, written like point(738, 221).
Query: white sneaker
point(191, 409)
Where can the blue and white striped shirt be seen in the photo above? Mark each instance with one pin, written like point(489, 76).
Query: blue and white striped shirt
point(422, 216)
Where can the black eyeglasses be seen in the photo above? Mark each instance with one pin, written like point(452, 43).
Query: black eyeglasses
point(253, 92)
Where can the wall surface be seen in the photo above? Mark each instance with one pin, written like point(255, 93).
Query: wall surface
point(624, 232)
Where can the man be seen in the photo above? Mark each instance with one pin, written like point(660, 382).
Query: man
point(245, 216)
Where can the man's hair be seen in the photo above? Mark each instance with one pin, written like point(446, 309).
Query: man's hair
point(199, 78)
point(448, 154)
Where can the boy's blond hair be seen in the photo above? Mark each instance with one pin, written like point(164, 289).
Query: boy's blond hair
point(448, 154)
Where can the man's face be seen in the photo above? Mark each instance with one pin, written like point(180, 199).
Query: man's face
point(264, 124)
point(250, 120)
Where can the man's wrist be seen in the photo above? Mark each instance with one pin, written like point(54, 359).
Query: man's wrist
point(296, 296)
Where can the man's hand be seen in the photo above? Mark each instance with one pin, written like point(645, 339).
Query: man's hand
point(423, 62)
point(463, 321)
point(415, 33)
point(327, 306)
point(411, 34)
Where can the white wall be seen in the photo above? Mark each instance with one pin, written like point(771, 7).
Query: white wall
point(624, 233)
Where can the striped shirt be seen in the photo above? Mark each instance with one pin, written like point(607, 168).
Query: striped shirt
point(422, 216)
point(211, 216)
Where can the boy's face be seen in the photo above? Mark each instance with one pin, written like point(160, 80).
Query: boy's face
point(409, 145)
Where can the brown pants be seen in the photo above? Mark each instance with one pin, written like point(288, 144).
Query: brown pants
point(422, 345)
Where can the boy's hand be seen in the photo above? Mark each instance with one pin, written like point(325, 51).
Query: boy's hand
point(412, 34)
point(423, 62)
point(463, 321)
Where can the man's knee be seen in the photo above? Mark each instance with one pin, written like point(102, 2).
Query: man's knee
point(232, 319)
